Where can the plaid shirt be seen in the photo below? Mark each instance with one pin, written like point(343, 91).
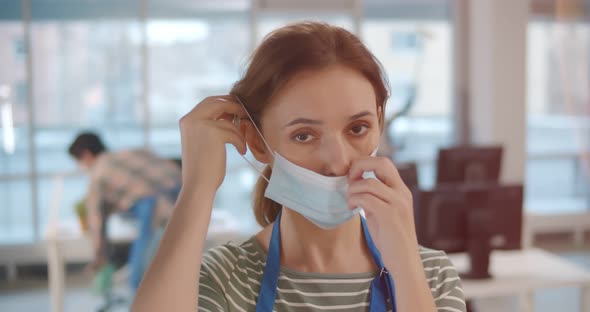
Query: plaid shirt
point(119, 179)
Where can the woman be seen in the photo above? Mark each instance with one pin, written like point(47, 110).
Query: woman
point(310, 106)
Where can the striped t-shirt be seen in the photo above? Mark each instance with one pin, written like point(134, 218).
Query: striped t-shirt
point(231, 275)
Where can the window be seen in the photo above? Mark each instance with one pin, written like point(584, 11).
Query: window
point(87, 73)
point(188, 61)
point(558, 116)
point(87, 76)
point(91, 64)
point(269, 22)
point(16, 215)
point(14, 113)
point(417, 57)
point(16, 212)
point(67, 189)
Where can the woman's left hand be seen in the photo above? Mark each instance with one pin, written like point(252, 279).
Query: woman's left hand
point(388, 207)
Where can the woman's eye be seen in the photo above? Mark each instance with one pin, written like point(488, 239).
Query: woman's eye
point(303, 137)
point(358, 130)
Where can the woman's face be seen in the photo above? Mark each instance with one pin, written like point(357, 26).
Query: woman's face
point(323, 120)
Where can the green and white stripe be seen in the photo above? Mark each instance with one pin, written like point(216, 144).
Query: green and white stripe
point(231, 275)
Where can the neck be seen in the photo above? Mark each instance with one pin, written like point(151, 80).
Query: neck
point(312, 249)
point(93, 161)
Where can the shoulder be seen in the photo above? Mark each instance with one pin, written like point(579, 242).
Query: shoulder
point(231, 253)
point(131, 154)
point(101, 166)
point(432, 256)
point(443, 279)
point(439, 270)
point(230, 276)
point(230, 261)
point(106, 161)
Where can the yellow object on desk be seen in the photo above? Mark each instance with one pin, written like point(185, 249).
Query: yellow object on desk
point(82, 215)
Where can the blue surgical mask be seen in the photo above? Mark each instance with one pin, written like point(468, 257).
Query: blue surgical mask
point(320, 199)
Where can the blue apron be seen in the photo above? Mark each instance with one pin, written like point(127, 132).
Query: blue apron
point(382, 286)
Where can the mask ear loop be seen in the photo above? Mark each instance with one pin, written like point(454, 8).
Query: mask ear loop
point(236, 121)
point(254, 124)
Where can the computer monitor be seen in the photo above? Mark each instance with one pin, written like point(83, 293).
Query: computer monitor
point(409, 174)
point(469, 164)
point(472, 219)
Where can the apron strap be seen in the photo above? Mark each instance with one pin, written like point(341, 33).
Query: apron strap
point(270, 277)
point(382, 286)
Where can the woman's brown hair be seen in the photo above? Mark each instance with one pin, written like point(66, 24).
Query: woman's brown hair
point(286, 52)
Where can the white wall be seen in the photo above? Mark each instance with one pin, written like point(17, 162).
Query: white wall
point(498, 45)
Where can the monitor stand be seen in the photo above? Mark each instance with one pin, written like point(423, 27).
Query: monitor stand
point(479, 252)
point(478, 243)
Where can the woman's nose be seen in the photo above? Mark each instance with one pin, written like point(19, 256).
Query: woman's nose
point(336, 157)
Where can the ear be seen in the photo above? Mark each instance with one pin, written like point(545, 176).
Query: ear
point(255, 143)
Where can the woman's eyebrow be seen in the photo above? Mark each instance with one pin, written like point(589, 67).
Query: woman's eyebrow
point(360, 115)
point(304, 121)
point(308, 121)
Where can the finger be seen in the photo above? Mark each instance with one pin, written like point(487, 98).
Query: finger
point(226, 131)
point(214, 107)
point(381, 166)
point(371, 186)
point(368, 202)
point(232, 135)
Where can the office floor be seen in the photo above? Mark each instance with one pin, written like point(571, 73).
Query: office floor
point(31, 294)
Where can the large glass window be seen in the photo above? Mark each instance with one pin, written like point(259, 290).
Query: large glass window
point(417, 56)
point(87, 76)
point(558, 116)
point(16, 211)
point(269, 22)
point(91, 64)
point(62, 190)
point(188, 61)
point(14, 156)
point(16, 215)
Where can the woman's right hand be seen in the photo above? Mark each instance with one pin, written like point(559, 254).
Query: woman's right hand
point(172, 280)
point(204, 132)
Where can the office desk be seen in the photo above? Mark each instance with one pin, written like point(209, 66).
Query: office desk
point(67, 244)
point(523, 272)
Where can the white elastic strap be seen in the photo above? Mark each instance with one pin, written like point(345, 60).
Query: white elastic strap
point(254, 124)
point(262, 137)
point(256, 168)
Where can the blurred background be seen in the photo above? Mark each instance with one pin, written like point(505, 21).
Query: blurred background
point(478, 72)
